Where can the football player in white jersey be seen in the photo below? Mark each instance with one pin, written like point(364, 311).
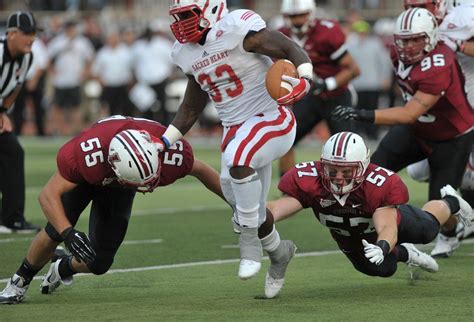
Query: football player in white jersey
point(225, 57)
point(456, 28)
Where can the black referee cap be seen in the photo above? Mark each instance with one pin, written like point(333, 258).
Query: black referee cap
point(23, 20)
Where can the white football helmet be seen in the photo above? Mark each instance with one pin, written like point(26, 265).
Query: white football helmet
point(411, 25)
point(194, 17)
point(348, 150)
point(134, 159)
point(296, 7)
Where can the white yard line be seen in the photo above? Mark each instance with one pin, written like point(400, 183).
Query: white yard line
point(191, 264)
point(179, 186)
point(214, 262)
point(127, 242)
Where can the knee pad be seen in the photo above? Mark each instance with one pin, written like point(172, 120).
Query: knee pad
point(247, 192)
point(100, 265)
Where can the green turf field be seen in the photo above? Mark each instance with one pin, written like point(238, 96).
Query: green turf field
point(180, 261)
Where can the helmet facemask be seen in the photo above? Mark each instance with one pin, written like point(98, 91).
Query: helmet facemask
point(194, 18)
point(411, 48)
point(341, 178)
point(344, 160)
point(189, 25)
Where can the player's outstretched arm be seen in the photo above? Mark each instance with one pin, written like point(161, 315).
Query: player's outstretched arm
point(193, 104)
point(284, 207)
point(418, 105)
point(50, 200)
point(208, 176)
point(385, 224)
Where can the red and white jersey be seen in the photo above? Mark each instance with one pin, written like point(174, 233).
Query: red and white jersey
point(84, 159)
point(458, 24)
point(438, 73)
point(351, 223)
point(233, 78)
point(325, 43)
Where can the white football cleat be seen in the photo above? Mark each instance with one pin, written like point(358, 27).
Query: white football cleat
point(418, 258)
point(250, 253)
point(445, 246)
point(248, 268)
point(465, 214)
point(15, 290)
point(52, 280)
point(275, 277)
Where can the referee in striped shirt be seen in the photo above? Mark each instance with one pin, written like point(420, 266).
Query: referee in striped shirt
point(16, 59)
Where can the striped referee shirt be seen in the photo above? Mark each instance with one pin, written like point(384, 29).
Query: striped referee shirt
point(12, 70)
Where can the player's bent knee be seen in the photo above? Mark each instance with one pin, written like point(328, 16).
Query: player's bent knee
point(430, 231)
point(100, 265)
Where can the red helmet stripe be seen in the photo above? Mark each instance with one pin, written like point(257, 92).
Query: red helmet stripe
point(138, 157)
point(408, 18)
point(340, 146)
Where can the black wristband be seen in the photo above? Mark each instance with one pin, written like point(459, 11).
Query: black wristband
point(66, 232)
point(3, 109)
point(367, 115)
point(384, 245)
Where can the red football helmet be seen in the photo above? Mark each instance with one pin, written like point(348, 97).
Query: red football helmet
point(415, 35)
point(194, 17)
point(345, 152)
point(437, 7)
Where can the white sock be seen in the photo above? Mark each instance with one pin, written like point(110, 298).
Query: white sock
point(271, 241)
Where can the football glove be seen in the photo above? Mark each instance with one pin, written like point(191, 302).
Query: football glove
point(78, 245)
point(376, 253)
point(319, 86)
point(345, 113)
point(301, 87)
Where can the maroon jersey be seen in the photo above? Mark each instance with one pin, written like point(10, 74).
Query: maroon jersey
point(351, 223)
point(325, 44)
point(438, 74)
point(83, 159)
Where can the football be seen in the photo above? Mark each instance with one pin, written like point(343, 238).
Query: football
point(277, 87)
